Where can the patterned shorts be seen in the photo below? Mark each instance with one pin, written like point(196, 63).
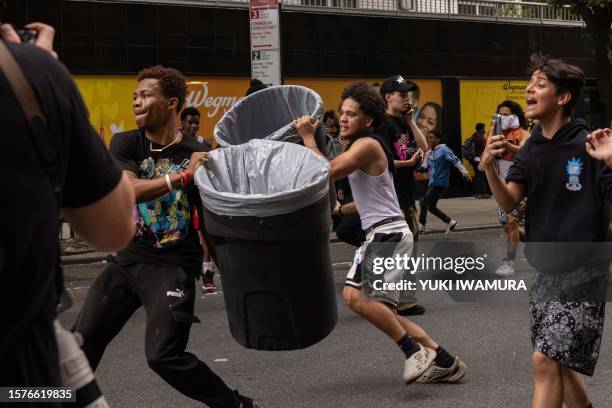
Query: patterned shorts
point(517, 215)
point(568, 332)
point(567, 311)
point(386, 241)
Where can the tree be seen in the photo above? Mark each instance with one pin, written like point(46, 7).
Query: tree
point(597, 15)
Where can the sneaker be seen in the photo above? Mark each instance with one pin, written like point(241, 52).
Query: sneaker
point(246, 402)
point(417, 363)
point(437, 374)
point(506, 269)
point(415, 310)
point(485, 196)
point(451, 227)
point(209, 287)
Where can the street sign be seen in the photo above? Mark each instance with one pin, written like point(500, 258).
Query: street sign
point(265, 41)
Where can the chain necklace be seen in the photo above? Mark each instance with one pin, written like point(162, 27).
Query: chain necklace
point(176, 139)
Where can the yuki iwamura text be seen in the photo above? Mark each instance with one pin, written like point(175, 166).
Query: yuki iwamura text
point(413, 264)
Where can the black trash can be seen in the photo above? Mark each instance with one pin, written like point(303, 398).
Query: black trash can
point(268, 114)
point(266, 216)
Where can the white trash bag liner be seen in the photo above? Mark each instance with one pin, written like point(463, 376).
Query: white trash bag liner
point(262, 178)
point(268, 114)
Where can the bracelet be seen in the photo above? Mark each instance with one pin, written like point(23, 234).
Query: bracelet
point(185, 178)
point(168, 182)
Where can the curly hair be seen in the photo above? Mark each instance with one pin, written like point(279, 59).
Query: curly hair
point(516, 109)
point(565, 77)
point(171, 81)
point(370, 102)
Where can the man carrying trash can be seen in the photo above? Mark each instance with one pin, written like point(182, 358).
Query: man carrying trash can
point(368, 163)
point(157, 270)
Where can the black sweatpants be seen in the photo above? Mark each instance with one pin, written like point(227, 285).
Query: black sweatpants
point(432, 196)
point(168, 296)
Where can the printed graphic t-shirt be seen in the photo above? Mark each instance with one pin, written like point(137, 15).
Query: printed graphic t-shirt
point(402, 143)
point(164, 229)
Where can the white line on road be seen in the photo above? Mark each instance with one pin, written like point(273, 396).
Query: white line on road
point(342, 264)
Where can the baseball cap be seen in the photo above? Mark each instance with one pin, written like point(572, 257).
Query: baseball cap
point(396, 83)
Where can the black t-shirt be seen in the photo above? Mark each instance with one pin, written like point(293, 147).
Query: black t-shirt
point(568, 191)
point(29, 243)
point(403, 146)
point(165, 233)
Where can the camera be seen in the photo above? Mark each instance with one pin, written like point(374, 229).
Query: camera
point(27, 36)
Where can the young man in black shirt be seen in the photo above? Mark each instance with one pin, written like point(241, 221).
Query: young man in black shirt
point(569, 192)
point(190, 122)
point(407, 143)
point(157, 270)
point(79, 178)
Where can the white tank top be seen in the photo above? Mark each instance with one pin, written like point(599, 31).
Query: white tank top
point(375, 197)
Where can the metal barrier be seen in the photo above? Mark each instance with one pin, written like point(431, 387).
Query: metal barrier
point(488, 10)
point(496, 10)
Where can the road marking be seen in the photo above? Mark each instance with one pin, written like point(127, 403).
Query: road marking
point(220, 360)
point(342, 264)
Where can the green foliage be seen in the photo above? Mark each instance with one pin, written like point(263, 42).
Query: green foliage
point(588, 3)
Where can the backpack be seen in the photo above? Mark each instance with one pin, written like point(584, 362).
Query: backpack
point(468, 149)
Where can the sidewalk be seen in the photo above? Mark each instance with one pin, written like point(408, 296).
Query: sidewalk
point(470, 213)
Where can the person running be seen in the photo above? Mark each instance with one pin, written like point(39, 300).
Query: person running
point(513, 127)
point(569, 191)
point(437, 163)
point(368, 163)
point(157, 269)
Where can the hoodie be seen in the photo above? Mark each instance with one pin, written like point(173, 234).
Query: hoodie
point(569, 192)
point(437, 162)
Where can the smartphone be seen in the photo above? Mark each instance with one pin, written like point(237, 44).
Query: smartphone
point(498, 125)
point(27, 36)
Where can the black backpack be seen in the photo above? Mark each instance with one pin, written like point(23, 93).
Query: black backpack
point(468, 149)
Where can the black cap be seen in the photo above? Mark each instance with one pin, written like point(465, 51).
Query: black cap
point(396, 83)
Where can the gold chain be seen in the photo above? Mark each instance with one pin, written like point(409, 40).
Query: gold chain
point(176, 139)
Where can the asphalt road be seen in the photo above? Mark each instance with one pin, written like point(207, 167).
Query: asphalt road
point(356, 365)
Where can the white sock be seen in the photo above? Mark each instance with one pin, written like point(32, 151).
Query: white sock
point(206, 266)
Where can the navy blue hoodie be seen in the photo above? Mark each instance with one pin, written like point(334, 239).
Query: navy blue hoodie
point(569, 193)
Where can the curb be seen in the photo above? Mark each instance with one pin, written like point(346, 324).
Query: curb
point(96, 257)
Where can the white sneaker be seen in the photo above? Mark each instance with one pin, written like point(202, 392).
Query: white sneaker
point(451, 227)
point(437, 374)
point(506, 269)
point(417, 363)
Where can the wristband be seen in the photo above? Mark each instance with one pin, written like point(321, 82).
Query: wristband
point(185, 178)
point(168, 182)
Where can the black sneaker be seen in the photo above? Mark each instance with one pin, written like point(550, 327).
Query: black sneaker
point(246, 402)
point(415, 310)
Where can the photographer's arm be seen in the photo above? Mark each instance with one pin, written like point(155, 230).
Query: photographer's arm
point(106, 224)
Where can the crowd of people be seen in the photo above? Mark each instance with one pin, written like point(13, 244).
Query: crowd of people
point(140, 200)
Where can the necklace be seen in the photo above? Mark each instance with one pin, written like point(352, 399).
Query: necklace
point(176, 139)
